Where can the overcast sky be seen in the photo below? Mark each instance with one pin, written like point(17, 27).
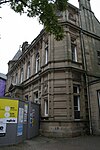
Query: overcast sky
point(15, 29)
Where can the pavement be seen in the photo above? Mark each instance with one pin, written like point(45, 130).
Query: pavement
point(44, 143)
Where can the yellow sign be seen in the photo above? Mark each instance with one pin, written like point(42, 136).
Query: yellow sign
point(9, 110)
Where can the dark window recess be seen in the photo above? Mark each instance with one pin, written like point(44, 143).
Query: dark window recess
point(75, 102)
point(76, 98)
point(98, 56)
point(76, 107)
point(74, 89)
point(74, 52)
point(26, 97)
point(77, 114)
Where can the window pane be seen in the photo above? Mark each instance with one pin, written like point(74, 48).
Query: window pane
point(74, 52)
point(99, 98)
point(75, 108)
point(76, 89)
point(98, 53)
point(16, 80)
point(77, 114)
point(46, 53)
point(28, 70)
point(22, 75)
point(75, 100)
point(37, 63)
point(46, 107)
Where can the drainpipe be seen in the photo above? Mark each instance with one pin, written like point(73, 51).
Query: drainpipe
point(86, 75)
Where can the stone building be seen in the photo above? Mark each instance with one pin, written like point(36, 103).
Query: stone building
point(62, 76)
point(3, 79)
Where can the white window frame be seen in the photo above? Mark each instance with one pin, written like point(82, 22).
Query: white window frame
point(46, 53)
point(37, 63)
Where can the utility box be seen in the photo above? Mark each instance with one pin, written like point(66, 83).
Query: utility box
point(33, 120)
point(19, 120)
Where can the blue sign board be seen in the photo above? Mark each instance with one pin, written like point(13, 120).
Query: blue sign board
point(20, 129)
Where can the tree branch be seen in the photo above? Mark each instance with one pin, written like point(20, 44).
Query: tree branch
point(2, 2)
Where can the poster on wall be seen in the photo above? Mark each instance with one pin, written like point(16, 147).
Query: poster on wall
point(2, 128)
point(20, 122)
point(21, 115)
point(32, 117)
point(25, 113)
point(8, 110)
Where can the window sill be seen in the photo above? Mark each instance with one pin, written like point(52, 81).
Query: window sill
point(44, 118)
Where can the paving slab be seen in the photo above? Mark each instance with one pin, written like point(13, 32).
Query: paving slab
point(44, 143)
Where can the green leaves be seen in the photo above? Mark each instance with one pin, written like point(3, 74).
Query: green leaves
point(61, 4)
point(45, 10)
